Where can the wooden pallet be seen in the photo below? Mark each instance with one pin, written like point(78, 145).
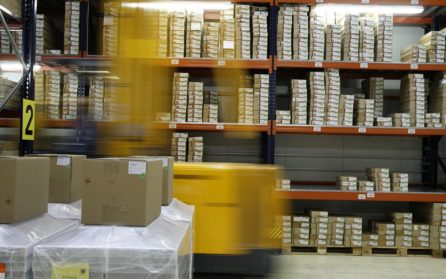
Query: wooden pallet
point(321, 250)
point(401, 251)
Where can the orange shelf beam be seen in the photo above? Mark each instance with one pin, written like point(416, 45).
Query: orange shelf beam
point(9, 122)
point(359, 131)
point(8, 57)
point(213, 63)
point(377, 66)
point(360, 196)
point(371, 2)
point(216, 127)
point(271, 2)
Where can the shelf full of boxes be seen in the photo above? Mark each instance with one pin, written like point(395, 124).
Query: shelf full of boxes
point(317, 104)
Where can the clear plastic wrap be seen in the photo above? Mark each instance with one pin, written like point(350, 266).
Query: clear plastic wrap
point(181, 212)
point(161, 250)
point(18, 240)
point(70, 211)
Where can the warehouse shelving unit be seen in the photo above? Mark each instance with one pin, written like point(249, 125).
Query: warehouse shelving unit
point(275, 67)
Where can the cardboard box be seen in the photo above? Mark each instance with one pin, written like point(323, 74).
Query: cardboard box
point(24, 188)
point(66, 172)
point(121, 191)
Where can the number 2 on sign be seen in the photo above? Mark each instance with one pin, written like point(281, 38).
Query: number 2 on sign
point(28, 116)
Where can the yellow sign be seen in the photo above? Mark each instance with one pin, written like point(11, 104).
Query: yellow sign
point(29, 118)
point(71, 271)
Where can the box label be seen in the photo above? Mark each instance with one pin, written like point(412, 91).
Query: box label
point(362, 130)
point(73, 271)
point(219, 126)
point(172, 125)
point(318, 64)
point(108, 20)
point(414, 2)
point(365, 1)
point(63, 161)
point(137, 167)
point(414, 66)
point(228, 44)
point(165, 162)
point(364, 65)
point(221, 63)
point(195, 26)
point(411, 131)
point(317, 128)
point(370, 194)
point(362, 196)
point(174, 61)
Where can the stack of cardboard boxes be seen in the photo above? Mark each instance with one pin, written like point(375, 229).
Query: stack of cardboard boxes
point(179, 96)
point(96, 102)
point(227, 34)
point(299, 101)
point(434, 42)
point(346, 110)
point(259, 33)
point(400, 182)
point(332, 93)
point(404, 229)
point(317, 98)
point(384, 38)
point(381, 178)
point(177, 32)
point(195, 102)
point(401, 120)
point(179, 146)
point(350, 37)
point(52, 94)
point(300, 32)
point(210, 107)
point(283, 117)
point(433, 120)
point(437, 94)
point(353, 232)
point(421, 236)
point(414, 53)
point(110, 30)
point(211, 39)
point(6, 87)
point(246, 105)
point(333, 42)
point(367, 40)
point(366, 186)
point(383, 121)
point(69, 97)
point(413, 98)
point(285, 32)
point(287, 230)
point(317, 37)
point(435, 216)
point(72, 20)
point(373, 88)
point(319, 228)
point(347, 183)
point(195, 150)
point(370, 240)
point(261, 91)
point(44, 38)
point(39, 93)
point(386, 234)
point(301, 231)
point(364, 112)
point(336, 230)
point(194, 33)
point(5, 43)
point(242, 31)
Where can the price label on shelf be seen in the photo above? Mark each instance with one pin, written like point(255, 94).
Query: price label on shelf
point(362, 196)
point(365, 1)
point(317, 128)
point(414, 66)
point(362, 130)
point(219, 126)
point(174, 61)
point(370, 194)
point(221, 62)
point(319, 1)
point(172, 125)
point(411, 131)
point(414, 2)
point(318, 64)
point(364, 65)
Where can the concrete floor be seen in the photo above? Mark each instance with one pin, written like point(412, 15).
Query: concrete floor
point(346, 267)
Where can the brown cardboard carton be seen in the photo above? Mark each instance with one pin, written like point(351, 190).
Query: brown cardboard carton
point(24, 188)
point(65, 177)
point(167, 177)
point(121, 191)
